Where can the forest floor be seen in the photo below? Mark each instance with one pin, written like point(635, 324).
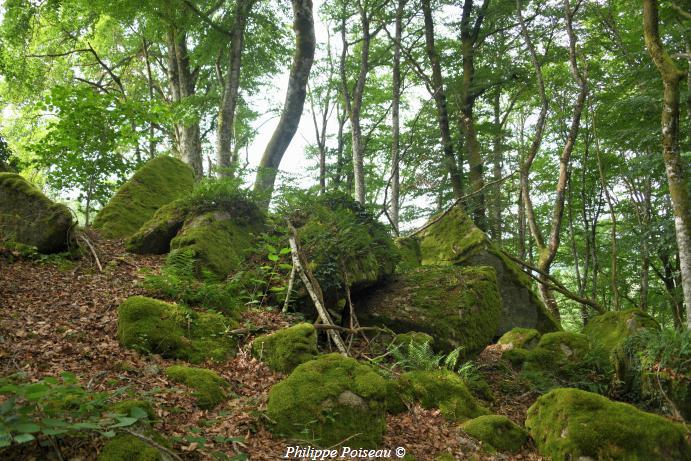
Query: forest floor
point(63, 317)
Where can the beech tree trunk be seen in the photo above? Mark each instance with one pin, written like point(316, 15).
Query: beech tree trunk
point(231, 86)
point(182, 85)
point(395, 118)
point(305, 43)
point(674, 164)
point(440, 101)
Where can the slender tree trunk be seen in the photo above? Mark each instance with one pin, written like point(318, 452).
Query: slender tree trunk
point(645, 247)
point(231, 87)
point(305, 43)
point(497, 146)
point(342, 117)
point(150, 85)
point(395, 118)
point(674, 164)
point(182, 82)
point(469, 37)
point(440, 100)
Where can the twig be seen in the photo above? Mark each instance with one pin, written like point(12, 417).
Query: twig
point(353, 331)
point(154, 444)
point(93, 251)
point(313, 288)
point(555, 284)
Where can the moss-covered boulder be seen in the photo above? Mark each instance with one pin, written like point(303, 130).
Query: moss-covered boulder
point(343, 242)
point(154, 236)
point(417, 338)
point(499, 432)
point(208, 387)
point(285, 349)
point(157, 182)
point(559, 348)
point(218, 241)
point(526, 338)
point(454, 239)
point(153, 326)
point(571, 424)
point(125, 447)
point(328, 401)
point(442, 389)
point(458, 306)
point(30, 218)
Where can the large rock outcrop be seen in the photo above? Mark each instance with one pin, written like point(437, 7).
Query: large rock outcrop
point(30, 218)
point(458, 306)
point(329, 401)
point(571, 424)
point(454, 239)
point(156, 183)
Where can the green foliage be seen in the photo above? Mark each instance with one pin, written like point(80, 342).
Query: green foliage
point(414, 355)
point(58, 407)
point(572, 424)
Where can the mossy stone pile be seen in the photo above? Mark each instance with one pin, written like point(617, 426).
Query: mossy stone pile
point(526, 338)
point(173, 331)
point(453, 239)
point(458, 306)
point(158, 182)
point(571, 424)
point(329, 400)
point(286, 349)
point(30, 218)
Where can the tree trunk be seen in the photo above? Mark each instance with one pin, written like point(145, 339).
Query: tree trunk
point(439, 96)
point(495, 227)
point(231, 86)
point(674, 164)
point(182, 85)
point(305, 43)
point(395, 118)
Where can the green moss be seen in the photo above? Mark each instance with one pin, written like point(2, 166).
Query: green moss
point(451, 240)
point(516, 356)
point(153, 326)
point(287, 348)
point(610, 330)
point(125, 407)
point(416, 337)
point(458, 306)
point(571, 424)
point(442, 389)
point(409, 249)
point(556, 349)
point(154, 236)
point(328, 400)
point(157, 182)
point(125, 447)
point(525, 338)
point(209, 388)
point(30, 218)
point(219, 243)
point(497, 431)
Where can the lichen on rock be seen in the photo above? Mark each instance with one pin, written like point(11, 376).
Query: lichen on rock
point(458, 306)
point(30, 218)
point(569, 424)
point(328, 401)
point(173, 331)
point(209, 389)
point(285, 349)
point(497, 431)
point(156, 183)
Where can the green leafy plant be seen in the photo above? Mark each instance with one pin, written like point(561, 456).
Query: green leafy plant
point(420, 356)
point(55, 407)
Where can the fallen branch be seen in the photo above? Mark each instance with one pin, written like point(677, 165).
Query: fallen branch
point(353, 331)
point(459, 200)
point(92, 250)
point(555, 284)
point(154, 444)
point(290, 289)
point(313, 288)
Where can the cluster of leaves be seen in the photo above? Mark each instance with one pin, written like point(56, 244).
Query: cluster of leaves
point(420, 356)
point(224, 194)
point(196, 439)
point(57, 407)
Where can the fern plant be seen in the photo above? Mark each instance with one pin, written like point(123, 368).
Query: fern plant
point(420, 356)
